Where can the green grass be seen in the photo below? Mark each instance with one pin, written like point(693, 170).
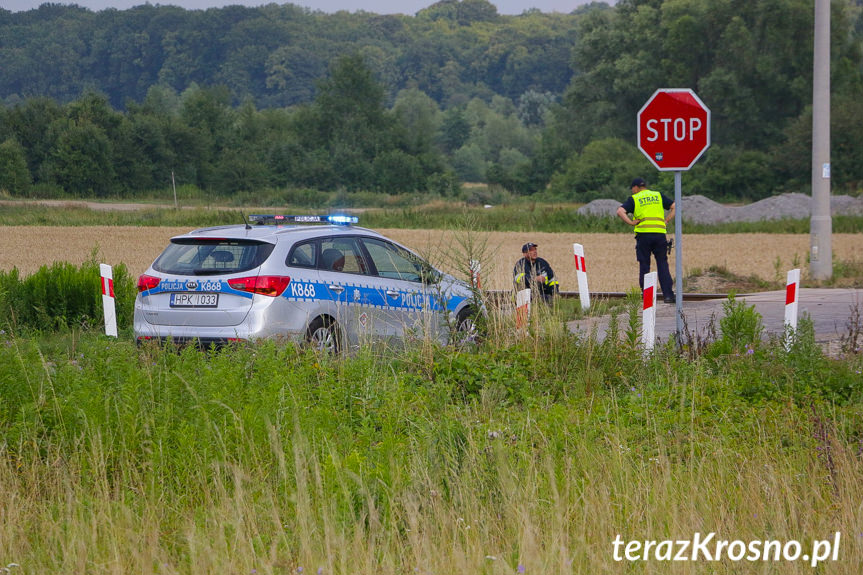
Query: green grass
point(529, 453)
point(523, 216)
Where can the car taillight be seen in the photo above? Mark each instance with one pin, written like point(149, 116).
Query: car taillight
point(264, 285)
point(146, 283)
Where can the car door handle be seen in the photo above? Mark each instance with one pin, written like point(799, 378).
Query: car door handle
point(392, 293)
point(337, 289)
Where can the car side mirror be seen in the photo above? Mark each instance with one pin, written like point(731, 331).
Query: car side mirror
point(430, 276)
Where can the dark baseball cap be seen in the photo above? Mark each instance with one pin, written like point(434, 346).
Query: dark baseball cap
point(638, 182)
point(527, 246)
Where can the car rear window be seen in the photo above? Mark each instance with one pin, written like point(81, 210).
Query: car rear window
point(208, 256)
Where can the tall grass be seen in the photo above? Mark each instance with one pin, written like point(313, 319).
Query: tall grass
point(521, 217)
point(529, 453)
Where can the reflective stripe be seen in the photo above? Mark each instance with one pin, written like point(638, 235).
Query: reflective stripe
point(361, 295)
point(168, 285)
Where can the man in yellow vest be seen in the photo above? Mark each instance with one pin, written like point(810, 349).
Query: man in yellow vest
point(649, 219)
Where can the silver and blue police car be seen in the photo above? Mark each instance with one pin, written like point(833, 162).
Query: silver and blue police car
point(318, 279)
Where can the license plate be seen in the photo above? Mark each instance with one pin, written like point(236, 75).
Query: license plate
point(194, 300)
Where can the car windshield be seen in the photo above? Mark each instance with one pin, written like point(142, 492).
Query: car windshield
point(209, 256)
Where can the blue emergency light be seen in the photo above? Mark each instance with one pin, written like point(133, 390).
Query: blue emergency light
point(343, 220)
point(337, 219)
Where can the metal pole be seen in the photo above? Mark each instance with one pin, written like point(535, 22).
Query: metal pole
point(678, 254)
point(174, 185)
point(820, 224)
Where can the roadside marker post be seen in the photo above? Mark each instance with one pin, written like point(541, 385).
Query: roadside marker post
point(648, 315)
point(108, 299)
point(522, 308)
point(581, 274)
point(792, 296)
point(475, 269)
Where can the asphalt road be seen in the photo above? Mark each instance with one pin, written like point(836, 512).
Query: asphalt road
point(831, 312)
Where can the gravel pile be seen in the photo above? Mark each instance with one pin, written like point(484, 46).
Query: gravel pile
point(701, 210)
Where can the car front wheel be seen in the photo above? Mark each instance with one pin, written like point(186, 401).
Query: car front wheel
point(468, 328)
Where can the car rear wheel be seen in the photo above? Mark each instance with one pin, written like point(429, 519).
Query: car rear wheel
point(323, 335)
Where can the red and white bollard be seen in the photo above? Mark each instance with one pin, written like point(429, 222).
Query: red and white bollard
point(522, 308)
point(648, 316)
point(475, 268)
point(792, 295)
point(108, 299)
point(581, 275)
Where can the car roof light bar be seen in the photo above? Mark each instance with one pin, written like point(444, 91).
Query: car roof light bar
point(337, 219)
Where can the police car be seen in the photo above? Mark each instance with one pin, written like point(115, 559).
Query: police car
point(315, 278)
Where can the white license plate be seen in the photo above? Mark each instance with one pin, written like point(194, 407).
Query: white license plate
point(194, 300)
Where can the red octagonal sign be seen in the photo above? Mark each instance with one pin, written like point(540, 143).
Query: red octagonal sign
point(673, 129)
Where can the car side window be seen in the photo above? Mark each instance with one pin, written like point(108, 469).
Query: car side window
point(302, 255)
point(342, 254)
point(394, 262)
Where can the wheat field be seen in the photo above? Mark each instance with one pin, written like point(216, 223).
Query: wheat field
point(610, 258)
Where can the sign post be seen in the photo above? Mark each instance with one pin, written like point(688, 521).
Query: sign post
point(673, 132)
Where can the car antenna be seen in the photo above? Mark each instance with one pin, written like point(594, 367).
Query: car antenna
point(245, 221)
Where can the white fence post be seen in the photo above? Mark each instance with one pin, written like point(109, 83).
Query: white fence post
point(108, 299)
point(581, 274)
point(648, 316)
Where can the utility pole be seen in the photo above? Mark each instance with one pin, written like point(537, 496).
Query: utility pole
point(174, 185)
point(820, 224)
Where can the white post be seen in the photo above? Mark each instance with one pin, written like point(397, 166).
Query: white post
point(522, 308)
point(792, 295)
point(108, 299)
point(648, 316)
point(581, 274)
point(174, 185)
point(475, 269)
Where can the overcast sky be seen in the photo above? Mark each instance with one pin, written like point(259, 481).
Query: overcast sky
point(375, 6)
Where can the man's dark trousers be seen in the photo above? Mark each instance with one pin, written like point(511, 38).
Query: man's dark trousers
point(645, 245)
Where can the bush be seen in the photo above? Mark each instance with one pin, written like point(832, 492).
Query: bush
point(741, 328)
point(63, 295)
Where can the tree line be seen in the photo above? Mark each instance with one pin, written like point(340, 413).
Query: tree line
point(236, 99)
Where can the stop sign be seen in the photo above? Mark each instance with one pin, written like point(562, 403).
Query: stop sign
point(673, 129)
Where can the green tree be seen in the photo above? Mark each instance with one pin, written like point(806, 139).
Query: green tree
point(203, 129)
point(454, 130)
point(81, 162)
point(28, 123)
point(349, 121)
point(15, 177)
point(603, 170)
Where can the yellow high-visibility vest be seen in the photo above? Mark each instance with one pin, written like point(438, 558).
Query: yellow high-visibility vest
point(648, 209)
